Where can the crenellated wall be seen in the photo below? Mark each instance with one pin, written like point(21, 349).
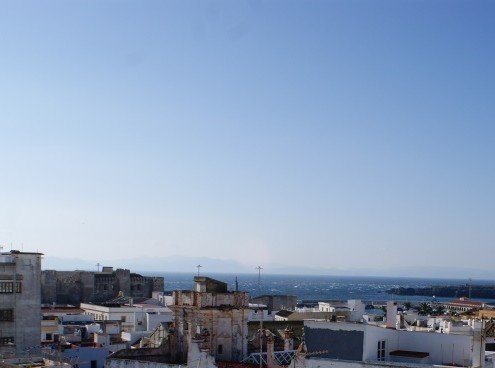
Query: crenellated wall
point(74, 287)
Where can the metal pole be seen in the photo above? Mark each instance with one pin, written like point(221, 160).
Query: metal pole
point(259, 268)
point(261, 339)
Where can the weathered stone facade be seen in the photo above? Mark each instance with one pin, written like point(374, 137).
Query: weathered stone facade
point(20, 308)
point(217, 316)
point(74, 287)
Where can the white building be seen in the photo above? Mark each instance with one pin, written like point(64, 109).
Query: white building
point(133, 317)
point(325, 307)
point(355, 342)
point(357, 310)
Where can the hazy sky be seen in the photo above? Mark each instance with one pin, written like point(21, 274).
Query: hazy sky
point(316, 133)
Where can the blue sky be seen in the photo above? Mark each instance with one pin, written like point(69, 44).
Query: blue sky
point(337, 134)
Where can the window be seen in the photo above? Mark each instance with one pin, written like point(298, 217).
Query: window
point(381, 350)
point(220, 349)
point(122, 318)
point(7, 340)
point(6, 314)
point(94, 364)
point(48, 337)
point(7, 287)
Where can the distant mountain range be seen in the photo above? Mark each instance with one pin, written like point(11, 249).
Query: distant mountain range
point(215, 265)
point(148, 264)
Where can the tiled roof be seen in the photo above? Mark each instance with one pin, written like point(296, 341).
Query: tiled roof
point(465, 303)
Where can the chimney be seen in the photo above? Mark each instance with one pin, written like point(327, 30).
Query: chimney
point(172, 343)
point(288, 339)
point(391, 314)
point(270, 358)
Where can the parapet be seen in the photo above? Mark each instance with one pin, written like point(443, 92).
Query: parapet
point(209, 285)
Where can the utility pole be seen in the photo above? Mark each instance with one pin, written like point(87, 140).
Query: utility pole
point(98, 266)
point(259, 268)
point(198, 267)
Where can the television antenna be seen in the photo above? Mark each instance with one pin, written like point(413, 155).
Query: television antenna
point(259, 268)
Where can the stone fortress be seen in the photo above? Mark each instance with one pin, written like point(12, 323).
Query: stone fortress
point(74, 287)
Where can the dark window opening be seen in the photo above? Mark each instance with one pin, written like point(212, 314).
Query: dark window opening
point(381, 350)
point(6, 315)
point(7, 340)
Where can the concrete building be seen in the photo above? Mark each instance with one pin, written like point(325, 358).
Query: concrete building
point(86, 355)
point(76, 338)
point(338, 315)
point(74, 287)
point(353, 311)
point(259, 312)
point(357, 310)
point(140, 316)
point(20, 301)
point(216, 314)
point(286, 336)
point(164, 357)
point(363, 343)
point(34, 362)
point(464, 305)
point(276, 302)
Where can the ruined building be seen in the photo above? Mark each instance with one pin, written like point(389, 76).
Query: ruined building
point(213, 315)
point(74, 287)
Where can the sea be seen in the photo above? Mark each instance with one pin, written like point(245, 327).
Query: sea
point(317, 287)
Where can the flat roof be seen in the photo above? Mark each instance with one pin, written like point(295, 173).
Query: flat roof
point(13, 251)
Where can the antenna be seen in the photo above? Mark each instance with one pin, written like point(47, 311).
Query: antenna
point(259, 268)
point(98, 265)
point(198, 267)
